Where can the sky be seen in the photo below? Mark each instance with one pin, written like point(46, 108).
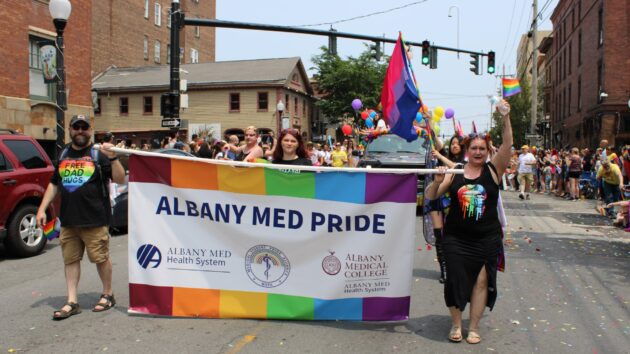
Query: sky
point(484, 25)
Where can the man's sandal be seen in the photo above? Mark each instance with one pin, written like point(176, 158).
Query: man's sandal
point(455, 335)
point(110, 302)
point(62, 314)
point(473, 337)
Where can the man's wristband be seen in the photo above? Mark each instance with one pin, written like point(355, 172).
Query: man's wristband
point(113, 159)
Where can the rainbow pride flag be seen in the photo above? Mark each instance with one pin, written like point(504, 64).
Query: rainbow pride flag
point(212, 240)
point(511, 87)
point(50, 231)
point(399, 97)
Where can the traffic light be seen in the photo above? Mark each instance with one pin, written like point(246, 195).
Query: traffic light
point(332, 43)
point(474, 63)
point(491, 64)
point(426, 53)
point(376, 47)
point(169, 104)
point(433, 58)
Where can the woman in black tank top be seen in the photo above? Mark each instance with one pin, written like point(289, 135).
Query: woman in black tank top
point(472, 230)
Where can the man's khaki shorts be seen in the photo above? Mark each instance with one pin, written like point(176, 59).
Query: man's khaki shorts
point(526, 179)
point(74, 240)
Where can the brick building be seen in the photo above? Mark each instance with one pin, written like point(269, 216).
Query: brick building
point(137, 33)
point(27, 104)
point(524, 54)
point(589, 71)
point(223, 96)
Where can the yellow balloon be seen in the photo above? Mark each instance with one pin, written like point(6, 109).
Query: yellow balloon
point(436, 117)
point(439, 111)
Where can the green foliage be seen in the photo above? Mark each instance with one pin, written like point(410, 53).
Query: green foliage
point(520, 114)
point(344, 80)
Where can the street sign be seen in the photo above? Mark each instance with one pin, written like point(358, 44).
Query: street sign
point(533, 136)
point(171, 123)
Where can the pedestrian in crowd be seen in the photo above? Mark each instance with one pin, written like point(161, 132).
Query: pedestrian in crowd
point(85, 211)
point(472, 233)
point(314, 154)
point(251, 150)
point(222, 149)
point(204, 151)
point(179, 145)
point(587, 162)
point(326, 156)
point(338, 156)
point(232, 140)
point(526, 163)
point(348, 147)
point(547, 176)
point(625, 159)
point(622, 215)
point(292, 150)
point(574, 162)
point(612, 183)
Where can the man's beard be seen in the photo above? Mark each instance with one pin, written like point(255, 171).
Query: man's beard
point(80, 140)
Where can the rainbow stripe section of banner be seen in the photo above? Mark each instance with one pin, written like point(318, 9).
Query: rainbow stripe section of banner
point(363, 188)
point(209, 303)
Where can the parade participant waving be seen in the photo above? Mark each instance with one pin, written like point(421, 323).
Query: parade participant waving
point(82, 177)
point(250, 151)
point(292, 150)
point(472, 231)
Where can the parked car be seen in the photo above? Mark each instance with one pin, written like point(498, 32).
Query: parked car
point(120, 204)
point(25, 171)
point(392, 151)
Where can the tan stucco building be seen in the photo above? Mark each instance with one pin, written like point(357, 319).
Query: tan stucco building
point(224, 96)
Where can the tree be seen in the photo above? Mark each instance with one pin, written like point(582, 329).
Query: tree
point(520, 114)
point(344, 80)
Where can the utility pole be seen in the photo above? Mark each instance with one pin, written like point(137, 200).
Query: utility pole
point(534, 114)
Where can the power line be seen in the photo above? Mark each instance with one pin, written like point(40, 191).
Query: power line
point(509, 32)
point(364, 16)
point(517, 29)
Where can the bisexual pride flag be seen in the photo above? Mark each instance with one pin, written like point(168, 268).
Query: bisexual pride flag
point(208, 239)
point(399, 96)
point(511, 87)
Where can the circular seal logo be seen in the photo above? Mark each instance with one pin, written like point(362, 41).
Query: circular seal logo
point(331, 264)
point(148, 255)
point(267, 266)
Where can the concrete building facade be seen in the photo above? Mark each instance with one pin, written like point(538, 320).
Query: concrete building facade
point(589, 70)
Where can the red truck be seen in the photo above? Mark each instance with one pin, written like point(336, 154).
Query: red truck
point(25, 171)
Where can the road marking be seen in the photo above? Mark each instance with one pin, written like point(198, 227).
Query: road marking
point(248, 338)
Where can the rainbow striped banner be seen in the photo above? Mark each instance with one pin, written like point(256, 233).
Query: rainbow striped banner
point(511, 87)
point(218, 241)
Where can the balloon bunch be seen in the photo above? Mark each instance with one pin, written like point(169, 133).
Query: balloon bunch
point(368, 115)
point(371, 134)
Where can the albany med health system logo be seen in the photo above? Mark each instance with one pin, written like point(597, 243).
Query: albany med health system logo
point(267, 266)
point(148, 255)
point(331, 264)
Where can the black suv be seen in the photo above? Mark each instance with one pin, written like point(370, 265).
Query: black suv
point(392, 151)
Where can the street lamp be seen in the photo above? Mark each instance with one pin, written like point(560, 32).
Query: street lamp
point(449, 15)
point(60, 12)
point(280, 109)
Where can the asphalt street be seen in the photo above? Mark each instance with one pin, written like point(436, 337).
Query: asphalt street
point(565, 290)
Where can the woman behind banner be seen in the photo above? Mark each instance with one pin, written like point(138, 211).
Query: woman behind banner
point(292, 150)
point(472, 230)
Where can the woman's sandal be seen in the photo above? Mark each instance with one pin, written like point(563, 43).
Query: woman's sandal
point(62, 314)
point(104, 306)
point(455, 335)
point(473, 337)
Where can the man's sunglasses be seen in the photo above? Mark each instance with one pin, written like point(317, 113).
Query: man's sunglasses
point(81, 127)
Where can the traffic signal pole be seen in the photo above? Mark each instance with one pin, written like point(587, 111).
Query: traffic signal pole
point(532, 127)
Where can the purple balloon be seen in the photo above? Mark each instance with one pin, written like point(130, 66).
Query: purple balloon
point(357, 104)
point(449, 113)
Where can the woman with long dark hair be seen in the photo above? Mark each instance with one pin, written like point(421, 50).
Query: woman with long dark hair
point(472, 230)
point(291, 149)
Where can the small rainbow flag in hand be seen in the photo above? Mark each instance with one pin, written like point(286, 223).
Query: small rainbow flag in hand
point(50, 231)
point(511, 87)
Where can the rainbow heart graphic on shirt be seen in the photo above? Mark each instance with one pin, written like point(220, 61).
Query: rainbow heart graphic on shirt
point(472, 199)
point(75, 173)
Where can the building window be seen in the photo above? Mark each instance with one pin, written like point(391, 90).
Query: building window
point(97, 109)
point(156, 55)
point(579, 10)
point(194, 56)
point(570, 56)
point(168, 54)
point(168, 18)
point(145, 48)
point(146, 9)
point(580, 48)
point(158, 14)
point(197, 32)
point(263, 101)
point(235, 102)
point(304, 108)
point(147, 105)
point(579, 94)
point(38, 89)
point(569, 101)
point(600, 81)
point(600, 26)
point(286, 101)
point(295, 102)
point(123, 106)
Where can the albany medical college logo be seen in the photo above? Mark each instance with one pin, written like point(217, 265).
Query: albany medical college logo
point(267, 266)
point(331, 264)
point(147, 255)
